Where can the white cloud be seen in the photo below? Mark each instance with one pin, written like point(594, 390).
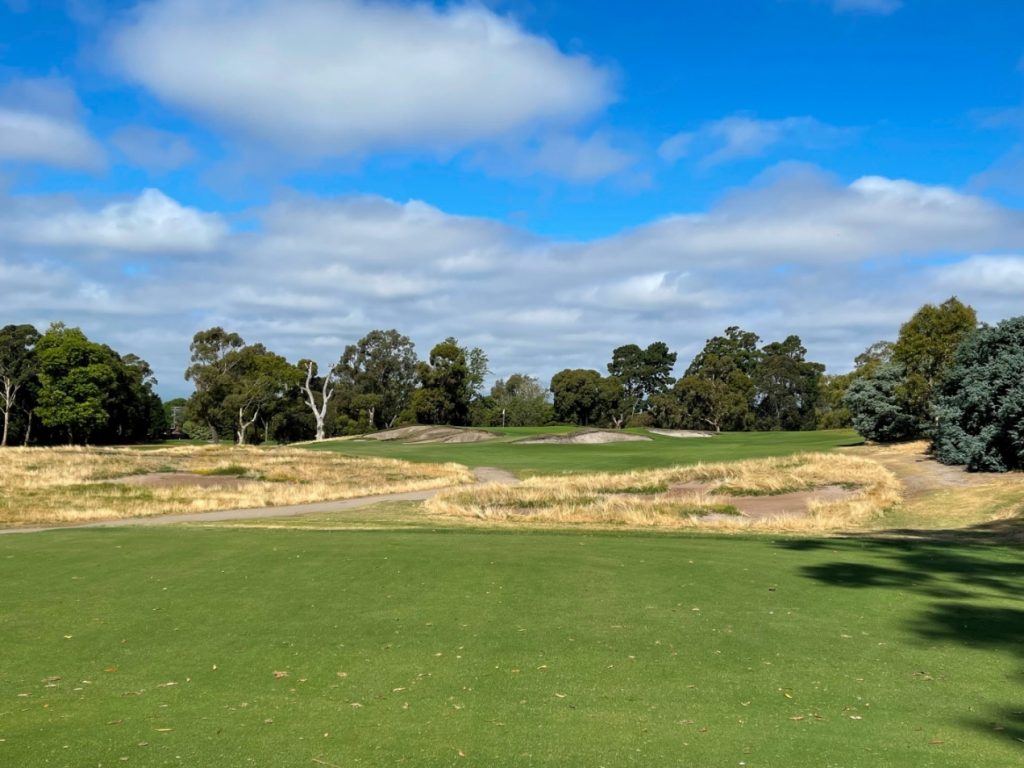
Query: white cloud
point(882, 7)
point(348, 77)
point(804, 217)
point(579, 160)
point(152, 149)
point(984, 274)
point(741, 137)
point(842, 265)
point(676, 147)
point(149, 223)
point(40, 122)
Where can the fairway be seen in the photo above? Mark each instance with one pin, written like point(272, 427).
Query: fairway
point(660, 451)
point(191, 647)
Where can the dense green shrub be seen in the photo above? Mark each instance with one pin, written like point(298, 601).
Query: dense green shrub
point(980, 405)
point(879, 407)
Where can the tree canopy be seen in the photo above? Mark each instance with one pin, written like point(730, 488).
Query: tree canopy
point(980, 403)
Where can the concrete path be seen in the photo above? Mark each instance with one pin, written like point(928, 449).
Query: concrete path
point(484, 476)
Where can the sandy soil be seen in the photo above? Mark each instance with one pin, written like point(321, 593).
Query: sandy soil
point(427, 434)
point(176, 479)
point(592, 437)
point(790, 504)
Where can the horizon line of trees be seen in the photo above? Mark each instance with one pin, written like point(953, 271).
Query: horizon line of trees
point(59, 386)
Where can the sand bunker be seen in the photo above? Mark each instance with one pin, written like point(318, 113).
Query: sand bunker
point(427, 434)
point(190, 479)
point(588, 437)
point(774, 505)
point(681, 432)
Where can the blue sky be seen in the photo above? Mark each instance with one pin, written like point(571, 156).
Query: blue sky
point(545, 179)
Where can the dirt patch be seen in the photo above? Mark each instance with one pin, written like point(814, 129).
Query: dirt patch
point(428, 434)
point(794, 504)
point(588, 437)
point(918, 471)
point(183, 479)
point(494, 476)
point(681, 433)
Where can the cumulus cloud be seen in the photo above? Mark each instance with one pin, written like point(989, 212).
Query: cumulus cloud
point(842, 265)
point(984, 274)
point(40, 122)
point(149, 223)
point(741, 137)
point(152, 149)
point(342, 77)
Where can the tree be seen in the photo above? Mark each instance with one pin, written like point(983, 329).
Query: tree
point(378, 375)
point(875, 355)
point(701, 403)
point(879, 407)
point(980, 403)
point(728, 363)
point(518, 401)
point(446, 386)
point(210, 373)
point(577, 395)
point(643, 372)
point(786, 386)
point(259, 381)
point(90, 393)
point(326, 388)
point(925, 348)
point(17, 367)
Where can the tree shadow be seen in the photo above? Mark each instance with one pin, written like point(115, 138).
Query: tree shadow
point(974, 598)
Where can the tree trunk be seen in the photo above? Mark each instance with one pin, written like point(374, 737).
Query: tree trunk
point(243, 425)
point(319, 412)
point(28, 428)
point(10, 392)
point(370, 413)
point(213, 432)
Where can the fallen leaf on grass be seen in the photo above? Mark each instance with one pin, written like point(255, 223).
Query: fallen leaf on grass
point(164, 730)
point(168, 684)
point(279, 675)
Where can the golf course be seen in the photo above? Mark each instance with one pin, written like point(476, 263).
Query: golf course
point(388, 635)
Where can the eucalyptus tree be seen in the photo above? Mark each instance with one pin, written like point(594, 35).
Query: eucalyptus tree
point(18, 366)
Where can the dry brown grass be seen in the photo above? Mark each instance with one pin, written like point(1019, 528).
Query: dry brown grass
point(653, 498)
point(46, 485)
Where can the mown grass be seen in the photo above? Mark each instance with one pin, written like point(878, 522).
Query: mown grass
point(245, 647)
point(661, 451)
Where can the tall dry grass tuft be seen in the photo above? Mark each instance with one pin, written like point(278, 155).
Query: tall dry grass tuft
point(43, 485)
point(692, 496)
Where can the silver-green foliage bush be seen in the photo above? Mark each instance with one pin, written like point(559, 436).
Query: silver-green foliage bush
point(980, 405)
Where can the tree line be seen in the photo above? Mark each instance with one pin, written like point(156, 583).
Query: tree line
point(944, 378)
point(60, 387)
point(947, 379)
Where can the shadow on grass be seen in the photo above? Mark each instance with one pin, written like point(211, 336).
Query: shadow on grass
point(975, 593)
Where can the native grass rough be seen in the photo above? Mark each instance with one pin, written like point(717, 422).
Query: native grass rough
point(53, 485)
point(695, 496)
